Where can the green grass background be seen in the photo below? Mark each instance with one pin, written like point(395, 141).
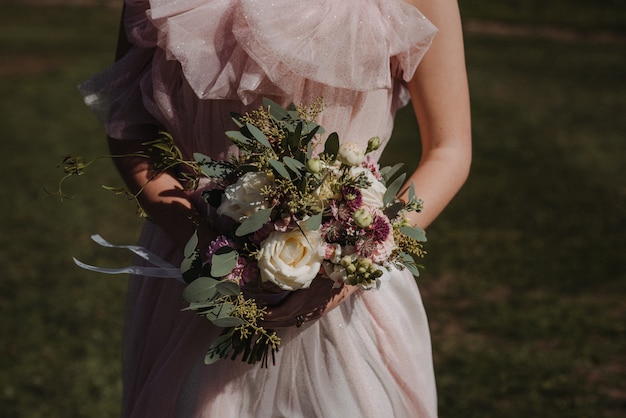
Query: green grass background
point(525, 280)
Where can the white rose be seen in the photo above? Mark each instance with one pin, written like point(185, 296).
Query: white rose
point(350, 154)
point(290, 260)
point(373, 195)
point(242, 199)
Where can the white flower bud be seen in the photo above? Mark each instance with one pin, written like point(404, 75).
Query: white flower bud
point(363, 217)
point(373, 144)
point(350, 154)
point(314, 165)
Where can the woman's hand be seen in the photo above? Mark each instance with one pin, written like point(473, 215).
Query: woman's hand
point(159, 194)
point(307, 304)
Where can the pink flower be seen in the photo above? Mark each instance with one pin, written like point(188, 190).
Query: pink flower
point(376, 251)
point(378, 244)
point(372, 166)
point(331, 252)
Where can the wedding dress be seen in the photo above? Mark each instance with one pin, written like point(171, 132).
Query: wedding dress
point(192, 63)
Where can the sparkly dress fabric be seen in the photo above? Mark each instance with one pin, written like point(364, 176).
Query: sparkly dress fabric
point(191, 64)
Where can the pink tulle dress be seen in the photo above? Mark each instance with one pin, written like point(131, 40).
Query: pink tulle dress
point(192, 63)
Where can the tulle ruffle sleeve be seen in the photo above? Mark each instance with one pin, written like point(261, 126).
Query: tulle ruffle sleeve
point(242, 48)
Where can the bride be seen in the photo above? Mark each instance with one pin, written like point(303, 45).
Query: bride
point(183, 66)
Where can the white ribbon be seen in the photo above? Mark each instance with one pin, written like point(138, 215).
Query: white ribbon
point(163, 269)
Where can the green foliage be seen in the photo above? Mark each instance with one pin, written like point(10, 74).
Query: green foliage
point(254, 222)
point(415, 233)
point(224, 261)
point(393, 189)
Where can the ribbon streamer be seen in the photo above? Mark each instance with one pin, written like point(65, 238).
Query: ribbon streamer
point(163, 269)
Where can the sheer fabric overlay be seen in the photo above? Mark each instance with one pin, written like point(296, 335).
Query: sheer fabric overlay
point(192, 63)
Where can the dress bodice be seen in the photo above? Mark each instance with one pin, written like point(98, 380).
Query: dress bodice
point(196, 61)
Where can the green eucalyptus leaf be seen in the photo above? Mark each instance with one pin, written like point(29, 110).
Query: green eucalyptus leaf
point(191, 267)
point(191, 245)
point(410, 265)
point(312, 130)
point(294, 142)
point(219, 348)
point(213, 168)
point(228, 288)
point(314, 222)
point(297, 154)
point(191, 264)
point(224, 310)
point(194, 306)
point(309, 151)
point(200, 290)
point(227, 310)
point(223, 261)
point(236, 117)
point(389, 171)
point(295, 165)
point(414, 232)
point(392, 210)
point(227, 322)
point(221, 310)
point(258, 135)
point(276, 111)
point(331, 148)
point(280, 169)
point(254, 222)
point(200, 158)
point(393, 189)
point(238, 137)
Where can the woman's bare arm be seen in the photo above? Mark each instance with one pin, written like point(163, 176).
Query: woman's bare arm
point(440, 98)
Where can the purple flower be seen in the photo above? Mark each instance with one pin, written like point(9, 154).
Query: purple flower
point(259, 236)
point(333, 230)
point(341, 211)
point(381, 228)
point(353, 197)
point(220, 242)
point(249, 273)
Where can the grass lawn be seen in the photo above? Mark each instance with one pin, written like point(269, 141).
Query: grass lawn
point(525, 274)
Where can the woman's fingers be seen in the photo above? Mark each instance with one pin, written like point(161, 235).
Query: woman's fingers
point(307, 304)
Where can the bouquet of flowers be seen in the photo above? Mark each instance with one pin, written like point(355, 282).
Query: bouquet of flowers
point(288, 215)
